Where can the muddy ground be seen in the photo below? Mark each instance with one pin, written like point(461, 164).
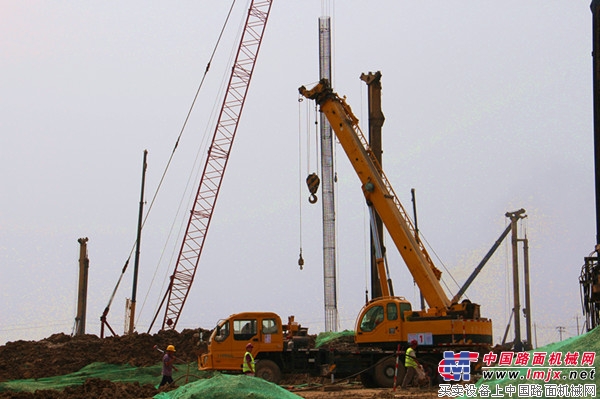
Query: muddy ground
point(61, 354)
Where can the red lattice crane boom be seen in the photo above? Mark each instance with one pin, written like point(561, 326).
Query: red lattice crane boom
point(216, 162)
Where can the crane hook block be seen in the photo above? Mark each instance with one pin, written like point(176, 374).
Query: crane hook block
point(313, 181)
point(301, 261)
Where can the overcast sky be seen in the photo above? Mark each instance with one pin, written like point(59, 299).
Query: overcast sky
point(488, 109)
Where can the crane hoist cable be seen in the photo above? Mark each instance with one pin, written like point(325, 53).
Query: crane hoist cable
point(312, 180)
point(124, 269)
point(300, 100)
point(187, 117)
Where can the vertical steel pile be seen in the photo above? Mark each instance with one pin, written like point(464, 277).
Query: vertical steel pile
point(328, 203)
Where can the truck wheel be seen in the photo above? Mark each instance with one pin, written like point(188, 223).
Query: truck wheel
point(366, 379)
point(268, 370)
point(385, 370)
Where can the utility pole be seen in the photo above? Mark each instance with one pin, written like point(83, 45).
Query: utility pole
point(514, 218)
point(84, 265)
point(137, 249)
point(561, 330)
point(527, 309)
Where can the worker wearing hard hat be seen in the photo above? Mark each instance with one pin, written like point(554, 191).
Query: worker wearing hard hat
point(248, 367)
point(168, 367)
point(410, 363)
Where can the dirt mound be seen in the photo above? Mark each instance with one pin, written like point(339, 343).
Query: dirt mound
point(91, 388)
point(61, 354)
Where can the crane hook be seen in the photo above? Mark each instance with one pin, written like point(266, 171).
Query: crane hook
point(313, 182)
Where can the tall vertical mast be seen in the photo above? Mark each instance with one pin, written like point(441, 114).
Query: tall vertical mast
point(329, 265)
point(376, 119)
point(590, 272)
point(595, 7)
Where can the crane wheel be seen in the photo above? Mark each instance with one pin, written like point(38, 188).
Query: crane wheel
point(268, 370)
point(384, 371)
point(430, 366)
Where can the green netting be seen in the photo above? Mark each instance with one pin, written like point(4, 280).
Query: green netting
point(115, 373)
point(192, 382)
point(225, 386)
point(328, 337)
point(589, 342)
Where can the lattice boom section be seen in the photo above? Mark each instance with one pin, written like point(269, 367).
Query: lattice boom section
point(216, 161)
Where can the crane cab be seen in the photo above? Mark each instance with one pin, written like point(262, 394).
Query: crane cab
point(390, 321)
point(382, 321)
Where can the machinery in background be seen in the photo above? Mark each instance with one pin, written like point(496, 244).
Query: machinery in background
point(589, 278)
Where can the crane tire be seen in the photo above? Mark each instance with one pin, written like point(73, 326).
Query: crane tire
point(384, 371)
point(430, 364)
point(268, 370)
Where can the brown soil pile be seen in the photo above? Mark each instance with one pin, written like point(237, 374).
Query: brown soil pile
point(61, 354)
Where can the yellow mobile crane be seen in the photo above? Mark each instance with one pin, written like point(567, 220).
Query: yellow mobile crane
point(444, 323)
point(384, 324)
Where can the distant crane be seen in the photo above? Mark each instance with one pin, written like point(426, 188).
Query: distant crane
point(216, 162)
point(589, 278)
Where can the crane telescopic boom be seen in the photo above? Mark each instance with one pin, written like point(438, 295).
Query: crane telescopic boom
point(380, 194)
point(389, 321)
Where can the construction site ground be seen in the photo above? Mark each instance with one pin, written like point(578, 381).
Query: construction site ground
point(62, 355)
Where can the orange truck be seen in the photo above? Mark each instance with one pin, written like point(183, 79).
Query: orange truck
point(287, 348)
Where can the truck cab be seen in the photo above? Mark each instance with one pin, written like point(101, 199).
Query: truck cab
point(227, 343)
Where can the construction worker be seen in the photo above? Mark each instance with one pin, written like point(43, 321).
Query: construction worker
point(248, 367)
point(410, 363)
point(168, 366)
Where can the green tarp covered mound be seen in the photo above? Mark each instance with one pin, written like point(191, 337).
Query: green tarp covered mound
point(111, 372)
point(575, 380)
point(223, 386)
point(326, 338)
point(191, 382)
